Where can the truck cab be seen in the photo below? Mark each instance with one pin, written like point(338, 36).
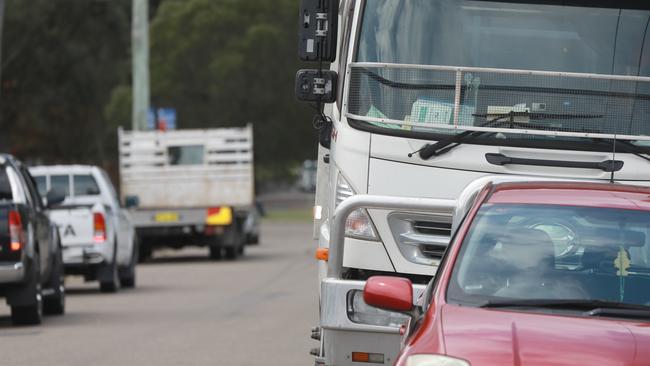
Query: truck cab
point(428, 96)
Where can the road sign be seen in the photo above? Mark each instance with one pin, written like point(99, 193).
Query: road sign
point(161, 119)
point(166, 119)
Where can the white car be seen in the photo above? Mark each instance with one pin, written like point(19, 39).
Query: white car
point(97, 235)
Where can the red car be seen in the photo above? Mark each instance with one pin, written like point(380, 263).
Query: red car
point(538, 273)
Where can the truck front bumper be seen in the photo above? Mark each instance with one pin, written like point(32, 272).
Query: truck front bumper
point(11, 272)
point(340, 335)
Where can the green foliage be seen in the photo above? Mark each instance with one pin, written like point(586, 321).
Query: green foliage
point(66, 76)
point(61, 59)
point(231, 62)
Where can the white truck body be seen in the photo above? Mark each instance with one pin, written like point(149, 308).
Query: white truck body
point(89, 192)
point(171, 180)
point(369, 155)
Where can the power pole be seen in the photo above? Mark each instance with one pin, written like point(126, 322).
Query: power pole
point(2, 17)
point(140, 54)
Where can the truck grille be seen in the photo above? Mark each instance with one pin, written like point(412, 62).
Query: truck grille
point(432, 228)
point(433, 251)
point(421, 238)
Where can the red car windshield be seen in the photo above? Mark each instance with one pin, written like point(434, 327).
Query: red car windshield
point(548, 252)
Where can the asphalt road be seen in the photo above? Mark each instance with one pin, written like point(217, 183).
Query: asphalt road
point(186, 310)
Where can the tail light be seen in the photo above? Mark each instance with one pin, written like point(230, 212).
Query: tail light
point(218, 216)
point(16, 236)
point(99, 227)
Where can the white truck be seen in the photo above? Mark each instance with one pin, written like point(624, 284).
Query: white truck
point(423, 97)
point(190, 187)
point(97, 235)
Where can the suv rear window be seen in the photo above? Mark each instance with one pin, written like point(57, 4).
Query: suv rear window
point(5, 185)
point(60, 183)
point(85, 185)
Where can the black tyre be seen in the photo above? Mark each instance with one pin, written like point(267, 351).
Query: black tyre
point(27, 315)
point(253, 239)
point(127, 275)
point(145, 251)
point(232, 253)
point(112, 283)
point(236, 242)
point(54, 304)
point(31, 314)
point(216, 252)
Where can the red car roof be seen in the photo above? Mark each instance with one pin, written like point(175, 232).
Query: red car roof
point(573, 194)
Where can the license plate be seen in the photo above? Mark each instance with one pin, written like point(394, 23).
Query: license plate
point(166, 217)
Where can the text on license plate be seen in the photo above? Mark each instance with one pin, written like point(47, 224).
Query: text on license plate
point(166, 217)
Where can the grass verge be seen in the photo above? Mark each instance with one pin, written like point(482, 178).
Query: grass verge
point(289, 214)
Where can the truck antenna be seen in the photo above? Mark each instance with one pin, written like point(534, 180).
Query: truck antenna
point(611, 177)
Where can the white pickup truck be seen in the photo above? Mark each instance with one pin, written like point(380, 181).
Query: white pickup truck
point(97, 236)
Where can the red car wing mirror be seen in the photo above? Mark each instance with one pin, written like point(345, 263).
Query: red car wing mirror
point(389, 293)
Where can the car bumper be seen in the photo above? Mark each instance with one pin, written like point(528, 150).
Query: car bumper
point(12, 272)
point(84, 255)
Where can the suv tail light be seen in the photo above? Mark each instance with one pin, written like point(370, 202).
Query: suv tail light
point(16, 237)
point(99, 227)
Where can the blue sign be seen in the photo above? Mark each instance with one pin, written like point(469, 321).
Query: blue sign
point(151, 119)
point(166, 119)
point(161, 119)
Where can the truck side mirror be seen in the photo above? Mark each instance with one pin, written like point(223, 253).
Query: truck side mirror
point(316, 86)
point(319, 23)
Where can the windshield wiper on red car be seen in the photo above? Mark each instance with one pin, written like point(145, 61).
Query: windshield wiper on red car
point(590, 307)
point(508, 119)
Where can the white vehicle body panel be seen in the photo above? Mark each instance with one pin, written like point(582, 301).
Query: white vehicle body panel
point(74, 218)
point(221, 176)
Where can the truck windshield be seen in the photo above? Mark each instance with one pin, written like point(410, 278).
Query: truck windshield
point(546, 253)
point(475, 47)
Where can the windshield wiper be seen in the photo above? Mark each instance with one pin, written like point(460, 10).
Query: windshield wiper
point(445, 145)
point(590, 307)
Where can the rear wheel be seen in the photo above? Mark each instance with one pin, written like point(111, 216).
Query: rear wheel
point(236, 243)
point(54, 304)
point(145, 251)
point(216, 252)
point(31, 313)
point(127, 275)
point(112, 282)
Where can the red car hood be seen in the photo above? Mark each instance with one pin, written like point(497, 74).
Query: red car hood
point(488, 337)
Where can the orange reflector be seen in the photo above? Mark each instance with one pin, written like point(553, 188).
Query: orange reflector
point(322, 254)
point(15, 246)
point(367, 357)
point(360, 357)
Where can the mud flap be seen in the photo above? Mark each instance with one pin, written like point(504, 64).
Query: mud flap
point(104, 272)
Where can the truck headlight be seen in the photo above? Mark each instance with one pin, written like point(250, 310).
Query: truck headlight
point(362, 313)
point(358, 223)
point(434, 360)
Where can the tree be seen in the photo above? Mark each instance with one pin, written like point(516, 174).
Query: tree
point(61, 60)
point(231, 62)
